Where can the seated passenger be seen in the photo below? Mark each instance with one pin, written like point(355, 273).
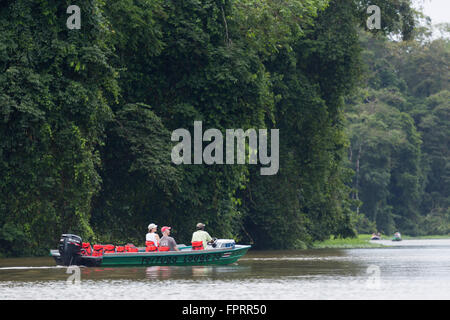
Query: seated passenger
point(201, 235)
point(167, 241)
point(152, 235)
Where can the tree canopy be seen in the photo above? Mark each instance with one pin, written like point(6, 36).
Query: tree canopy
point(86, 117)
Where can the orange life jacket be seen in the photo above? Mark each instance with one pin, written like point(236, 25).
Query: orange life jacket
point(86, 249)
point(98, 250)
point(150, 246)
point(197, 245)
point(120, 249)
point(131, 248)
point(109, 248)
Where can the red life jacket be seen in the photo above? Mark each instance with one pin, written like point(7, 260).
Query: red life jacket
point(109, 248)
point(98, 250)
point(86, 249)
point(131, 248)
point(150, 246)
point(197, 245)
point(120, 249)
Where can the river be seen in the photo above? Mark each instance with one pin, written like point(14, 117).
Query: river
point(411, 269)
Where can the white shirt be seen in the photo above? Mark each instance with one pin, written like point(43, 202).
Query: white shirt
point(152, 237)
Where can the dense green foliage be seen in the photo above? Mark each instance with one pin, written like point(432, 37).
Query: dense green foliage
point(399, 133)
point(55, 90)
point(86, 118)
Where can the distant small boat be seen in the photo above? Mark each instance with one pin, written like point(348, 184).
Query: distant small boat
point(376, 236)
point(397, 237)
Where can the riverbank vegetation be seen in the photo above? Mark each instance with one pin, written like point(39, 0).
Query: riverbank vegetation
point(361, 241)
point(86, 118)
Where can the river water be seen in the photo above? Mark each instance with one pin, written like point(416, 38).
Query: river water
point(411, 269)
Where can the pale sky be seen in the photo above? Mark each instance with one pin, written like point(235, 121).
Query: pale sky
point(437, 10)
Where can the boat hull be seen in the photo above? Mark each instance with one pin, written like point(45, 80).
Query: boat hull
point(185, 257)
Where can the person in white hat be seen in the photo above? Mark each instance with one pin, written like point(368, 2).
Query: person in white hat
point(152, 235)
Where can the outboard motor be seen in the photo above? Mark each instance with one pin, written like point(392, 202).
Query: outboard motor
point(70, 249)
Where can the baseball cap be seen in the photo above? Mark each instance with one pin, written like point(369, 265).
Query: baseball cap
point(200, 225)
point(152, 225)
point(165, 228)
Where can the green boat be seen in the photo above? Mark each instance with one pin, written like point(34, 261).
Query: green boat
point(397, 237)
point(226, 252)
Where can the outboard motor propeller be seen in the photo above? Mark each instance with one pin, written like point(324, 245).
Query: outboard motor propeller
point(69, 249)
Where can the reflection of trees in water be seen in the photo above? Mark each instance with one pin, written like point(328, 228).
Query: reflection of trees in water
point(191, 272)
point(158, 272)
point(201, 271)
point(110, 273)
point(165, 272)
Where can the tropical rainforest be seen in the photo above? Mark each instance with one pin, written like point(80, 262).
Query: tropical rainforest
point(86, 117)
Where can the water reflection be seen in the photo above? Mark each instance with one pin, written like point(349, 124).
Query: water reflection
point(196, 272)
point(202, 271)
point(158, 272)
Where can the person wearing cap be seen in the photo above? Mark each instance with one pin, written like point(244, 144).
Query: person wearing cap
point(152, 235)
point(201, 235)
point(167, 241)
